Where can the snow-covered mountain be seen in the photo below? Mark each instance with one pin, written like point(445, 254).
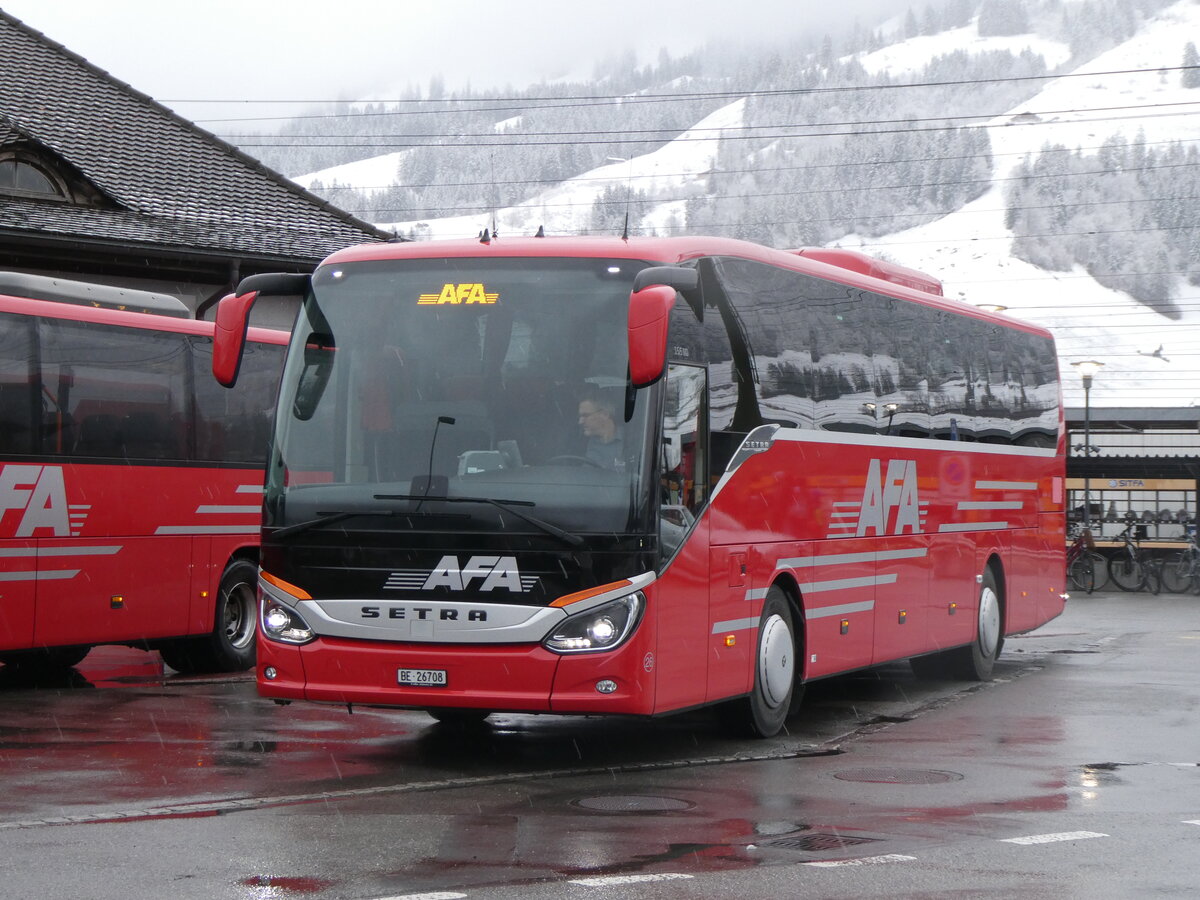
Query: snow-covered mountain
point(1151, 358)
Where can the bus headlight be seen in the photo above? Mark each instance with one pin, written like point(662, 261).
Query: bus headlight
point(280, 623)
point(603, 628)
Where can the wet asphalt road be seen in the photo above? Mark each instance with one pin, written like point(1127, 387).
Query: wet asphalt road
point(1073, 775)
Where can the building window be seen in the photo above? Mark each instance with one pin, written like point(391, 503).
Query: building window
point(25, 179)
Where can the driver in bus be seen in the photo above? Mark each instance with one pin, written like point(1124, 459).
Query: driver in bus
point(605, 440)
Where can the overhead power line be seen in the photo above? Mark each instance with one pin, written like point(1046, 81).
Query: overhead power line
point(620, 141)
point(722, 131)
point(721, 172)
point(647, 97)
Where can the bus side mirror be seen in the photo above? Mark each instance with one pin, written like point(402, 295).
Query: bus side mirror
point(229, 338)
point(649, 315)
point(233, 317)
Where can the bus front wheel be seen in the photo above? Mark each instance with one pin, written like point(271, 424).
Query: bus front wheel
point(229, 647)
point(769, 704)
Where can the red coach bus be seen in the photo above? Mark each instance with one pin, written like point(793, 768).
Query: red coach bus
point(564, 475)
point(130, 483)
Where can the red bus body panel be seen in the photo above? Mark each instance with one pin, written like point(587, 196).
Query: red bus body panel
point(103, 551)
point(122, 552)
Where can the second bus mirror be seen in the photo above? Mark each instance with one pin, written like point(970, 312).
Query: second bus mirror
point(229, 338)
point(649, 317)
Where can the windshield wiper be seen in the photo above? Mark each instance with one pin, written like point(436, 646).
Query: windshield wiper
point(331, 517)
point(508, 506)
point(327, 519)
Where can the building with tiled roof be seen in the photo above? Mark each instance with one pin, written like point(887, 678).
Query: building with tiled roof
point(100, 182)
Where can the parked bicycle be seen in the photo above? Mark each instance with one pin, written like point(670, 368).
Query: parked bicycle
point(1132, 569)
point(1087, 569)
point(1181, 571)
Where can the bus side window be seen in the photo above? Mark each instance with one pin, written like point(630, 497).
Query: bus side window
point(17, 398)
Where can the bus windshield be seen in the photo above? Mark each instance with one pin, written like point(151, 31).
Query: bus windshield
point(478, 395)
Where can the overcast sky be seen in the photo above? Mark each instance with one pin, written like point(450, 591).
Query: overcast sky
point(342, 49)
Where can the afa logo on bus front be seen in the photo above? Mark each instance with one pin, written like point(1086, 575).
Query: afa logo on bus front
point(35, 498)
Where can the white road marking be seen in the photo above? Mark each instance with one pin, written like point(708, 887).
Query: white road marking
point(609, 880)
point(435, 895)
point(864, 861)
point(1054, 838)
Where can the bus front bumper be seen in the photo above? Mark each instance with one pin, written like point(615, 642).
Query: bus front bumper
point(501, 678)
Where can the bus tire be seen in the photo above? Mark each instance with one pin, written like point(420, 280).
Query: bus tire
point(47, 659)
point(229, 647)
point(763, 712)
point(975, 661)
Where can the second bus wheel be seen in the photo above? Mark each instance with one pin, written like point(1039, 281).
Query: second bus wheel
point(229, 647)
point(764, 711)
point(975, 661)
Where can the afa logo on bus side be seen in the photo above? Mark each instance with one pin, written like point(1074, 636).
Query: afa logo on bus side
point(890, 503)
point(38, 496)
point(459, 294)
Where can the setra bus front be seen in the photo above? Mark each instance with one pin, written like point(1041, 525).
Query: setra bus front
point(464, 492)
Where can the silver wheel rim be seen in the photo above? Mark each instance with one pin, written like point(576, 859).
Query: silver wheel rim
point(238, 616)
point(776, 661)
point(989, 620)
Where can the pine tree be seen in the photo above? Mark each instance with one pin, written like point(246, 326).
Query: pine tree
point(1191, 76)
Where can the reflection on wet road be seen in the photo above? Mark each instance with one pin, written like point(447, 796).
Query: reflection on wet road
point(199, 787)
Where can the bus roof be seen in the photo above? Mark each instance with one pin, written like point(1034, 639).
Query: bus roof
point(83, 293)
point(843, 266)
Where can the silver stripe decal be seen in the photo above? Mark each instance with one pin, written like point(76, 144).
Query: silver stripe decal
point(207, 529)
point(972, 526)
point(735, 625)
point(235, 510)
point(991, 504)
point(61, 551)
point(845, 609)
point(757, 594)
point(249, 489)
point(835, 559)
point(813, 436)
point(60, 575)
point(842, 584)
point(1006, 486)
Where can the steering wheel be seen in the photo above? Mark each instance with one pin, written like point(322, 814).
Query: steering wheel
point(574, 461)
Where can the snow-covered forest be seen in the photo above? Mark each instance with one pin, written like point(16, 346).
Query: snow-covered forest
point(869, 137)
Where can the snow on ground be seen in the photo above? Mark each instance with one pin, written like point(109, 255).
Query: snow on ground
point(970, 250)
point(911, 55)
point(375, 173)
point(564, 208)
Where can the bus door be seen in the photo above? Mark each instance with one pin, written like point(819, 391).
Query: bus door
point(682, 593)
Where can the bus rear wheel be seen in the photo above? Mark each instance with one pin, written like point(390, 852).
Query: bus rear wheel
point(229, 647)
point(975, 661)
point(769, 704)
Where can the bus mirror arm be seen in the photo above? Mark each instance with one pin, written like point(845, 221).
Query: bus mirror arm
point(229, 337)
point(649, 317)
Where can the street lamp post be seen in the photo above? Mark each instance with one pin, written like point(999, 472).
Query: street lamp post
point(1087, 368)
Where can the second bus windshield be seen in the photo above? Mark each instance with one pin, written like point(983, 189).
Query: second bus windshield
point(502, 379)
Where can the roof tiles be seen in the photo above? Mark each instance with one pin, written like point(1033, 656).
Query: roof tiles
point(177, 184)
